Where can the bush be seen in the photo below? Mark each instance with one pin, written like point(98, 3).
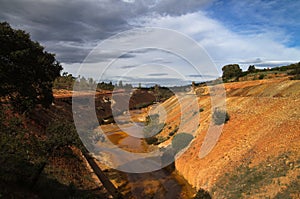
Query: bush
point(174, 131)
point(27, 71)
point(261, 76)
point(231, 71)
point(180, 141)
point(152, 130)
point(153, 127)
point(151, 140)
point(296, 77)
point(62, 134)
point(295, 72)
point(161, 139)
point(202, 194)
point(20, 154)
point(220, 116)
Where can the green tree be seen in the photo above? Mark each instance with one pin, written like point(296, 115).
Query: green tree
point(27, 71)
point(66, 81)
point(295, 71)
point(121, 84)
point(251, 69)
point(231, 71)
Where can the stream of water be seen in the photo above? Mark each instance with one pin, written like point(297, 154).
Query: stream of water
point(164, 183)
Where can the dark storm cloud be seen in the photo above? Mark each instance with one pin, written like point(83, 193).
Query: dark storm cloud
point(60, 22)
point(57, 23)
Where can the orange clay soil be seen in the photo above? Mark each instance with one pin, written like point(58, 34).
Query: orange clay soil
point(264, 126)
point(264, 123)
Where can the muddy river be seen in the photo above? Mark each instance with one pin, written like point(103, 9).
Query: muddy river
point(163, 183)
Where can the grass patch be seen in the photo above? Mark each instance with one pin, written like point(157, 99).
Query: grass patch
point(245, 181)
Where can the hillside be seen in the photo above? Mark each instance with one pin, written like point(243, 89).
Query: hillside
point(258, 152)
point(256, 156)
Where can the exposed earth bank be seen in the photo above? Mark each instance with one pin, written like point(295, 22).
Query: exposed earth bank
point(258, 152)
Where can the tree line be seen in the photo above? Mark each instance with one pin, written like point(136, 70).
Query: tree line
point(232, 72)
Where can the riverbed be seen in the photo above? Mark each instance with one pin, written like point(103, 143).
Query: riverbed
point(163, 183)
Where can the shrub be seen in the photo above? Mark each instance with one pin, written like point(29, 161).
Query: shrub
point(152, 130)
point(220, 116)
point(202, 194)
point(152, 119)
point(174, 131)
point(296, 73)
point(153, 127)
point(151, 140)
point(261, 76)
point(181, 140)
point(161, 139)
point(27, 70)
point(296, 77)
point(171, 133)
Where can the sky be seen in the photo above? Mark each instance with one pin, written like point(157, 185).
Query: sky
point(263, 33)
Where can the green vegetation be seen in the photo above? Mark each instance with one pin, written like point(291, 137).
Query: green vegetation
point(292, 189)
point(27, 71)
point(202, 194)
point(286, 68)
point(27, 163)
point(220, 116)
point(66, 81)
point(245, 181)
point(174, 131)
point(39, 158)
point(126, 86)
point(295, 71)
point(161, 93)
point(153, 128)
point(251, 69)
point(17, 160)
point(181, 140)
point(105, 86)
point(231, 71)
point(85, 84)
point(61, 134)
point(261, 76)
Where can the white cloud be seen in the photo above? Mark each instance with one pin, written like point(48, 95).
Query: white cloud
point(225, 46)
